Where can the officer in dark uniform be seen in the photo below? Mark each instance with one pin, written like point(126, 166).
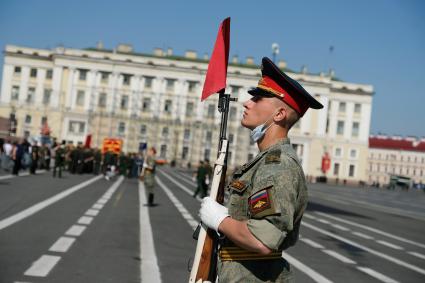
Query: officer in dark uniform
point(97, 161)
point(268, 195)
point(59, 159)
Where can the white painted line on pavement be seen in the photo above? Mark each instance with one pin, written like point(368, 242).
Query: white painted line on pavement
point(102, 200)
point(342, 228)
point(42, 266)
point(10, 176)
point(338, 256)
point(43, 204)
point(86, 220)
point(312, 243)
point(364, 236)
point(357, 245)
point(62, 245)
point(75, 230)
point(97, 206)
point(92, 212)
point(181, 186)
point(317, 277)
point(180, 207)
point(371, 229)
point(149, 269)
point(323, 221)
point(183, 177)
point(417, 255)
point(377, 275)
point(309, 216)
point(385, 243)
point(299, 265)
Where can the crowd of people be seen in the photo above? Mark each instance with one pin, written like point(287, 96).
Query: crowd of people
point(16, 156)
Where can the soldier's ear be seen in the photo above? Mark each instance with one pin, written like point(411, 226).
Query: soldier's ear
point(280, 115)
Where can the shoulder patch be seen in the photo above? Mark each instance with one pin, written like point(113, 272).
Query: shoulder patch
point(261, 204)
point(238, 185)
point(273, 157)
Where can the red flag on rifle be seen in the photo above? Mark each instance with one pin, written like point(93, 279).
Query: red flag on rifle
point(215, 79)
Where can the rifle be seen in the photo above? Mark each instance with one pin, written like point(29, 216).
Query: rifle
point(204, 266)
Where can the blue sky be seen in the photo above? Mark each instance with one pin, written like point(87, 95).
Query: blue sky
point(379, 42)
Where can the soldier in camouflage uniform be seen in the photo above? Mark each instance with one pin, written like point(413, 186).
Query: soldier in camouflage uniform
point(268, 195)
point(147, 176)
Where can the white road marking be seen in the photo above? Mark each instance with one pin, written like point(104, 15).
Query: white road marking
point(385, 243)
point(75, 230)
point(43, 204)
point(317, 277)
point(377, 275)
point(62, 245)
point(323, 221)
point(342, 228)
point(379, 254)
point(42, 266)
point(312, 243)
point(339, 256)
point(296, 263)
point(371, 229)
point(149, 269)
point(97, 206)
point(102, 200)
point(309, 216)
point(364, 236)
point(180, 207)
point(417, 255)
point(92, 212)
point(86, 220)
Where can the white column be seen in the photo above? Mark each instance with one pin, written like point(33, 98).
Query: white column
point(349, 120)
point(23, 87)
point(333, 118)
point(158, 91)
point(39, 91)
point(90, 95)
point(56, 87)
point(6, 86)
point(322, 116)
point(365, 122)
point(113, 93)
point(134, 101)
point(179, 100)
point(70, 88)
point(306, 122)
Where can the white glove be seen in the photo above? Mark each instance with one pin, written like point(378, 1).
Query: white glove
point(207, 181)
point(212, 213)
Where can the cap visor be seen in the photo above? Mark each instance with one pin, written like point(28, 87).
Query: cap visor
point(260, 92)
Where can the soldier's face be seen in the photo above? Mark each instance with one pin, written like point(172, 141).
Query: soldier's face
point(257, 111)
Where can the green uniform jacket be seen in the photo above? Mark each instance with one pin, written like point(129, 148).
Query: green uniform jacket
point(269, 192)
point(149, 178)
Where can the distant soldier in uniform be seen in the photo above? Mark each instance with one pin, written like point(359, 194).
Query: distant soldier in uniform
point(148, 174)
point(35, 156)
point(97, 161)
point(59, 159)
point(201, 175)
point(268, 195)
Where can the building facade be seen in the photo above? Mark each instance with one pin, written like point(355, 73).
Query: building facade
point(155, 98)
point(394, 155)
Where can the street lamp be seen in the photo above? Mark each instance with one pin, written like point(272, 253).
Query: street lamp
point(275, 51)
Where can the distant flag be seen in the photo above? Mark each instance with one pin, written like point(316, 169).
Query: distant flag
point(215, 80)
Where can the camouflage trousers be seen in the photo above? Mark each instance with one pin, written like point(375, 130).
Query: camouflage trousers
point(274, 270)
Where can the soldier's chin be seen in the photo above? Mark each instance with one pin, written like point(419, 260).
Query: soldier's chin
point(246, 125)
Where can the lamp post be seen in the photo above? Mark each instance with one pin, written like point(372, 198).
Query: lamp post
point(275, 51)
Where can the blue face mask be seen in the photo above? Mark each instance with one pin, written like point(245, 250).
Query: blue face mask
point(258, 132)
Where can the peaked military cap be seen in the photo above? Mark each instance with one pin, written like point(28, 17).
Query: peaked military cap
point(275, 83)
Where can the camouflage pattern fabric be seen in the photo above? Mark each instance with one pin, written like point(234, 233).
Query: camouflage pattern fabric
point(149, 178)
point(270, 193)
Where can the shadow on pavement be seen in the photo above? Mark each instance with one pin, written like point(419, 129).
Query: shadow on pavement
point(314, 206)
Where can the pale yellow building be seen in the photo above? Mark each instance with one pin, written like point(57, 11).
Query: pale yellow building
point(155, 98)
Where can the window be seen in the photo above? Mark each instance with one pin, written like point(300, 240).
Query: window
point(49, 74)
point(165, 132)
point(170, 84)
point(46, 96)
point(189, 109)
point(208, 136)
point(148, 82)
point(104, 77)
point(102, 99)
point(143, 130)
point(76, 127)
point(355, 130)
point(30, 95)
point(121, 128)
point(17, 70)
point(338, 152)
point(28, 119)
point(211, 109)
point(185, 152)
point(186, 134)
point(357, 108)
point(336, 169)
point(192, 86)
point(124, 102)
point(353, 153)
point(80, 98)
point(82, 75)
point(207, 153)
point(232, 113)
point(146, 104)
point(33, 73)
point(43, 120)
point(167, 106)
point(15, 93)
point(340, 128)
point(342, 106)
point(163, 151)
point(126, 79)
point(351, 170)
